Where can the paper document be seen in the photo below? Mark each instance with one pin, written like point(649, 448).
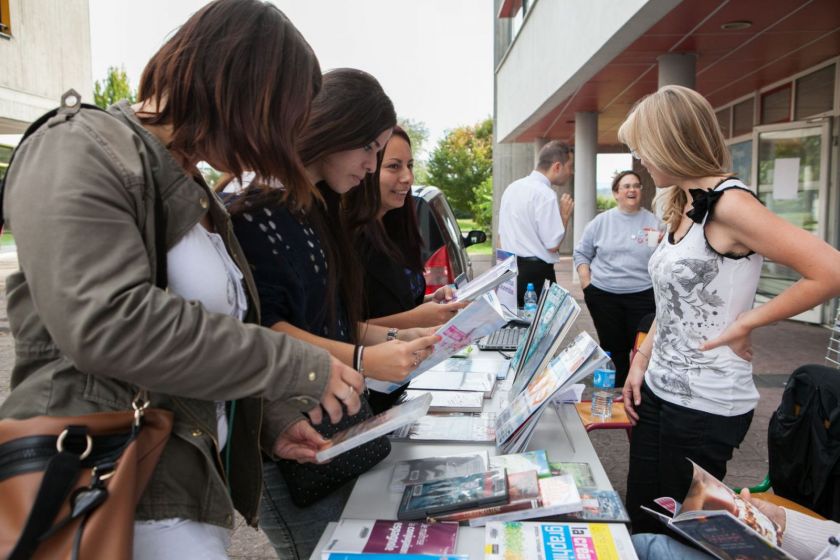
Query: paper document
point(476, 320)
point(488, 280)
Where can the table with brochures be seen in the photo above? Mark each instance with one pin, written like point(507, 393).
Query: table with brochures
point(559, 431)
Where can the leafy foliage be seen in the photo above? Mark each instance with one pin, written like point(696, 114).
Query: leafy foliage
point(482, 205)
point(605, 202)
point(461, 162)
point(417, 132)
point(113, 88)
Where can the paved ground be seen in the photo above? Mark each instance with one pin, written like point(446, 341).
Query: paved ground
point(779, 349)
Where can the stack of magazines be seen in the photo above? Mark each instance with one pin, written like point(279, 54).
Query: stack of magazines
point(556, 311)
point(515, 424)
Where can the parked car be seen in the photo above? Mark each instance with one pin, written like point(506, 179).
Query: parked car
point(445, 251)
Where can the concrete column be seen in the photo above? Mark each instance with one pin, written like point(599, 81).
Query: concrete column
point(538, 145)
point(586, 150)
point(677, 69)
point(510, 162)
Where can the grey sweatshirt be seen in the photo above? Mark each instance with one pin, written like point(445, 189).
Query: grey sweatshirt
point(614, 245)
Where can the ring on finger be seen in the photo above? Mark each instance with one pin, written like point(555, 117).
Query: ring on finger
point(416, 357)
point(348, 393)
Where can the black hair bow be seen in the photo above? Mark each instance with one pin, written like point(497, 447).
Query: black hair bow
point(702, 203)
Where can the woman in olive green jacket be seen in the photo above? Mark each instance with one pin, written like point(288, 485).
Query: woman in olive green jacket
point(232, 87)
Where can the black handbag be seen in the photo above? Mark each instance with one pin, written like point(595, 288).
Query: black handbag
point(308, 482)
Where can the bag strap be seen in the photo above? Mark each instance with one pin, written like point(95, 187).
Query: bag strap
point(70, 105)
point(59, 478)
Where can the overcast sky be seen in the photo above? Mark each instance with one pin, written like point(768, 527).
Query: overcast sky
point(433, 57)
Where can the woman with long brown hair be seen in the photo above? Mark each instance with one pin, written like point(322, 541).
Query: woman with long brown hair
point(690, 391)
point(309, 281)
point(382, 224)
point(93, 196)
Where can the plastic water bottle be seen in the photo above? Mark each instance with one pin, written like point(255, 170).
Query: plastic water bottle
point(530, 300)
point(603, 383)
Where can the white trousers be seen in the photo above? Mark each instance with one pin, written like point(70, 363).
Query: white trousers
point(179, 539)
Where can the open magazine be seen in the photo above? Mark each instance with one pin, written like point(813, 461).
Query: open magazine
point(374, 427)
point(721, 522)
point(489, 279)
point(554, 318)
point(515, 423)
point(479, 319)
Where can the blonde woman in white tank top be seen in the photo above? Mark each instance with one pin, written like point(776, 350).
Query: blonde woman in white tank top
point(689, 392)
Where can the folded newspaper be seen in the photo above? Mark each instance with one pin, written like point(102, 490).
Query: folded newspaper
point(515, 423)
point(478, 319)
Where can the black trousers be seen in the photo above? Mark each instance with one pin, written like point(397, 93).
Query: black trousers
point(534, 270)
point(665, 436)
point(617, 318)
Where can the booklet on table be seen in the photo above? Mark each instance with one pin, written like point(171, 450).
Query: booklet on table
point(391, 537)
point(555, 541)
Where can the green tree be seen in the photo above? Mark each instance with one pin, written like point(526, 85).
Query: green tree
point(418, 133)
point(604, 202)
point(482, 206)
point(460, 162)
point(113, 88)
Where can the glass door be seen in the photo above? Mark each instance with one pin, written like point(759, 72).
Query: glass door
point(792, 182)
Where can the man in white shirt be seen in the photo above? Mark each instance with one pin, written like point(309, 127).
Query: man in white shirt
point(531, 224)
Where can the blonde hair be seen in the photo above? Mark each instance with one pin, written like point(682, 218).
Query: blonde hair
point(676, 131)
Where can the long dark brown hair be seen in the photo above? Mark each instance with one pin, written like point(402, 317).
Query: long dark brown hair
point(398, 234)
point(349, 112)
point(235, 83)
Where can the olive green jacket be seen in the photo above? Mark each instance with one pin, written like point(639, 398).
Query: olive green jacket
point(90, 326)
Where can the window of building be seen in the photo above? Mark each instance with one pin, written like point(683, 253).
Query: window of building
point(742, 117)
point(775, 105)
point(5, 19)
point(815, 93)
point(742, 160)
point(723, 121)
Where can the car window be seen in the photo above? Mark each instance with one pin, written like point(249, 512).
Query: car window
point(429, 228)
point(454, 242)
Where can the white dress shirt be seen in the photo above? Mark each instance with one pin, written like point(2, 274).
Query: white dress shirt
point(529, 218)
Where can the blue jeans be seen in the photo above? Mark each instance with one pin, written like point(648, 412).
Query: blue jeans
point(293, 531)
point(662, 547)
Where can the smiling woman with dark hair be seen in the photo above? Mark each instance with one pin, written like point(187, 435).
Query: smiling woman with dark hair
point(612, 259)
point(381, 221)
point(310, 283)
point(130, 276)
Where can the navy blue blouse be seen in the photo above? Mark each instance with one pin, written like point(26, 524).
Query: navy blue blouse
point(290, 270)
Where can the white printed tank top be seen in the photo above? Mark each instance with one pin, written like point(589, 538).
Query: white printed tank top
point(699, 292)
